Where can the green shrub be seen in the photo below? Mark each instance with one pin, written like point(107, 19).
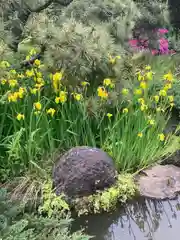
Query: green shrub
point(78, 35)
point(53, 205)
point(15, 225)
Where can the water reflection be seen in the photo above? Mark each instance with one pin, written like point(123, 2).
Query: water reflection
point(143, 220)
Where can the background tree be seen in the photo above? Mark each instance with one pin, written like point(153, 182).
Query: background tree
point(78, 35)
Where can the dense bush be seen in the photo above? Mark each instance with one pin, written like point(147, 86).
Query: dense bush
point(174, 13)
point(15, 225)
point(79, 35)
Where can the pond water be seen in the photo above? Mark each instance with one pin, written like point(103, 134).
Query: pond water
point(142, 220)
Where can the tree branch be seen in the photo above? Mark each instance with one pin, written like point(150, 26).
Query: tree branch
point(41, 8)
point(33, 58)
point(64, 3)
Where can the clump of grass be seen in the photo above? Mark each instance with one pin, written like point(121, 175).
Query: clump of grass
point(27, 190)
point(136, 137)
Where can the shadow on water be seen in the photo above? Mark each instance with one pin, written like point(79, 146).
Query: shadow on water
point(142, 220)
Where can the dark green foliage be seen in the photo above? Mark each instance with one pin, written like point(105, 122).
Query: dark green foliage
point(175, 91)
point(15, 225)
point(155, 13)
point(8, 211)
point(78, 35)
point(174, 7)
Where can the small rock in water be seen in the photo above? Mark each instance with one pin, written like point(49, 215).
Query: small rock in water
point(160, 182)
point(82, 171)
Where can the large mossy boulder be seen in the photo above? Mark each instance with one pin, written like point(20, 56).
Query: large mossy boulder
point(83, 171)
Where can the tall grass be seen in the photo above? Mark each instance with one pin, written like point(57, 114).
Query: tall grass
point(40, 113)
point(133, 142)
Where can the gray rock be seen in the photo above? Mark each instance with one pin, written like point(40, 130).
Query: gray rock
point(160, 182)
point(82, 171)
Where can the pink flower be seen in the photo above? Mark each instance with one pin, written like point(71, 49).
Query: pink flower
point(163, 42)
point(133, 42)
point(164, 46)
point(154, 52)
point(162, 30)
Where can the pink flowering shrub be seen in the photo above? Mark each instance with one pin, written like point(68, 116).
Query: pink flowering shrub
point(163, 46)
point(140, 44)
point(162, 30)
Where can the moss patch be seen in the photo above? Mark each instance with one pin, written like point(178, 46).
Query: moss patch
point(107, 200)
point(103, 201)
